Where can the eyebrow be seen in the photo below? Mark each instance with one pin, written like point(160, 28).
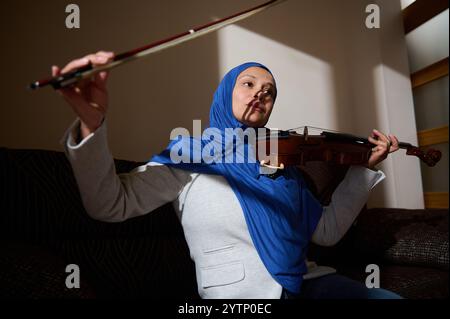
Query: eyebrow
point(271, 84)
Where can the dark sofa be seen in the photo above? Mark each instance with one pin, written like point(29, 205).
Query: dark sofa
point(44, 227)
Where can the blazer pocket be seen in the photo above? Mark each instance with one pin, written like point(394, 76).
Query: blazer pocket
point(215, 250)
point(221, 275)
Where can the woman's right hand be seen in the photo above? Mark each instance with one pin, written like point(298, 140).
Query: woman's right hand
point(88, 97)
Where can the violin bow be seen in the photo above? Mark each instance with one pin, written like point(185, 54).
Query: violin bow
point(87, 71)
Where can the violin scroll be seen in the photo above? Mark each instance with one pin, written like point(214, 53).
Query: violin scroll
point(431, 157)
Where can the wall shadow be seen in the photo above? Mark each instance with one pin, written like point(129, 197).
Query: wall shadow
point(148, 98)
point(339, 38)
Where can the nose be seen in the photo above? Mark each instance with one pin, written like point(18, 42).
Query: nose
point(261, 94)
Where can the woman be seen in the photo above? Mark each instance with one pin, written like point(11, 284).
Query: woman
point(247, 232)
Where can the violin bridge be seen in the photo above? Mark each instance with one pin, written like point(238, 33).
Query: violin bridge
point(305, 133)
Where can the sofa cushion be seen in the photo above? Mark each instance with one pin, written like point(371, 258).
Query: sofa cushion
point(30, 271)
point(410, 282)
point(405, 236)
point(40, 205)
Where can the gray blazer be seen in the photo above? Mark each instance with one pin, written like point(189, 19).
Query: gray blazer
point(227, 263)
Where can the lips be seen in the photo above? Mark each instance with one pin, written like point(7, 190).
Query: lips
point(257, 106)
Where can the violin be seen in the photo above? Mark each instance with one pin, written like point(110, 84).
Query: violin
point(332, 147)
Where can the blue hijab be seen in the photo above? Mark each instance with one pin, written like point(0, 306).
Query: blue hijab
point(281, 214)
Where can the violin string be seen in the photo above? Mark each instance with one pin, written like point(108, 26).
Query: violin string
point(313, 127)
point(326, 130)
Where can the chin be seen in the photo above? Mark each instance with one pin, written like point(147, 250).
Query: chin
point(255, 124)
point(254, 121)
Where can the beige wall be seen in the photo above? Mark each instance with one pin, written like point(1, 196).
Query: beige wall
point(332, 73)
point(426, 45)
point(147, 98)
point(335, 73)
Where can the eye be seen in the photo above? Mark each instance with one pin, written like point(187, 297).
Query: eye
point(249, 84)
point(269, 92)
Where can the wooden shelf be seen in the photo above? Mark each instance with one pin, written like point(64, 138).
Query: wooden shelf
point(436, 199)
point(430, 73)
point(434, 136)
point(421, 11)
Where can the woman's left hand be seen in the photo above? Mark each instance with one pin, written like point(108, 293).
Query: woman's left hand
point(383, 146)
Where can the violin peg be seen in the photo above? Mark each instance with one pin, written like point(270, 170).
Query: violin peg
point(263, 163)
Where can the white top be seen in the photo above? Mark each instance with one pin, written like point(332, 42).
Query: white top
point(227, 263)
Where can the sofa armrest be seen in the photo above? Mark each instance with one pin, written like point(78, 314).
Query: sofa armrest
point(404, 236)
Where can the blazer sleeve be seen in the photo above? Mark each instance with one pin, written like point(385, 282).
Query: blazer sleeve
point(346, 203)
point(112, 197)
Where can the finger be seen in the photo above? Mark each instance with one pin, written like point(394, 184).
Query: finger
point(100, 80)
point(55, 70)
point(103, 75)
point(99, 59)
point(380, 135)
point(82, 86)
point(383, 141)
point(81, 107)
point(102, 57)
point(96, 59)
point(98, 98)
point(380, 150)
point(75, 99)
point(90, 58)
point(374, 141)
point(380, 146)
point(107, 54)
point(395, 143)
point(394, 140)
point(75, 64)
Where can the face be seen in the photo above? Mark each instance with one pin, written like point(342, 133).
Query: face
point(253, 97)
